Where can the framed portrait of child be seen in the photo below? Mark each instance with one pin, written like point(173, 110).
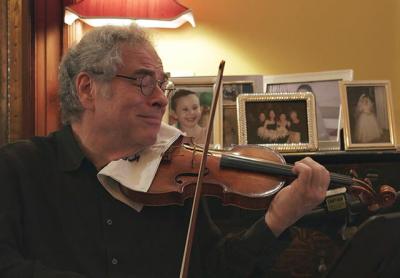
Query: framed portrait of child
point(368, 115)
point(189, 109)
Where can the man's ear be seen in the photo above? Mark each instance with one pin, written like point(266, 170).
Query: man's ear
point(85, 90)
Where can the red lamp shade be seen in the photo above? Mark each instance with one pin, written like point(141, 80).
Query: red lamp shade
point(146, 13)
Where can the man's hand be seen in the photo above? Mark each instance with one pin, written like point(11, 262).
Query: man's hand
point(300, 197)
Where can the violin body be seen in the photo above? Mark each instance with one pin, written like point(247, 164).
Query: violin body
point(177, 176)
point(246, 176)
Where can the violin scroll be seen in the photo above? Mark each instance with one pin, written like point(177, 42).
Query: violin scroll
point(384, 198)
point(387, 196)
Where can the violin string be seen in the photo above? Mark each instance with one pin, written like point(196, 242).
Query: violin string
point(365, 185)
point(338, 178)
point(268, 167)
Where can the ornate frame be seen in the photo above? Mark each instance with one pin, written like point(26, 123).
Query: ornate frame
point(351, 93)
point(250, 103)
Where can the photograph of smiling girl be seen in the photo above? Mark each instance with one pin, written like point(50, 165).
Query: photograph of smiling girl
point(189, 111)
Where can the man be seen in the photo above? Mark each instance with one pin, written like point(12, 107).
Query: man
point(57, 220)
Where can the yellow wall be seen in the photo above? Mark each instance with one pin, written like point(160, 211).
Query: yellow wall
point(288, 36)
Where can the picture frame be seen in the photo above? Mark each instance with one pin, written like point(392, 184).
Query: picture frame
point(325, 86)
point(232, 87)
point(230, 132)
point(240, 84)
point(203, 86)
point(284, 122)
point(368, 115)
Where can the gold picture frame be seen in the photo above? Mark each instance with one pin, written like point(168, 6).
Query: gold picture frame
point(230, 91)
point(284, 122)
point(232, 87)
point(230, 126)
point(203, 86)
point(368, 115)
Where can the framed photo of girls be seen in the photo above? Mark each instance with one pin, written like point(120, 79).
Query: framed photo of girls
point(284, 122)
point(368, 115)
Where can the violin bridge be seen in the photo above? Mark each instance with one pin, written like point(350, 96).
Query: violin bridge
point(193, 155)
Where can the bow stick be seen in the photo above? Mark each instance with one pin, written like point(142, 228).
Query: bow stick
point(199, 184)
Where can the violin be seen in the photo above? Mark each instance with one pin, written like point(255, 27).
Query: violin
point(246, 176)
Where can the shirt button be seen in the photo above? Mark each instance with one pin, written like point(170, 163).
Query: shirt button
point(109, 222)
point(114, 261)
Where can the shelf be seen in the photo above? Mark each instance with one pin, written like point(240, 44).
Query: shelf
point(347, 156)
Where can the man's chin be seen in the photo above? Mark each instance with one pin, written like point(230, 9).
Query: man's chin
point(145, 136)
point(149, 140)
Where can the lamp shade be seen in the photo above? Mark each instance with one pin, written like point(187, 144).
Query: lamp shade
point(146, 13)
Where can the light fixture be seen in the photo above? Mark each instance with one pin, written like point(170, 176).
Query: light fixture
point(146, 13)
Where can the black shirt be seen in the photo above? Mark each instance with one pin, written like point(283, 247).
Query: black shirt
point(56, 220)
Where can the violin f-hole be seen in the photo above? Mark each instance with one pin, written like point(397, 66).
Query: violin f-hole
point(180, 179)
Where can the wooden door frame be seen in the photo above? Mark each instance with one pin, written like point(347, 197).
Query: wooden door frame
point(4, 100)
point(48, 42)
point(32, 42)
point(16, 98)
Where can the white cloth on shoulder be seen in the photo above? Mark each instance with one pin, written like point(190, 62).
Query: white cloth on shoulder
point(137, 174)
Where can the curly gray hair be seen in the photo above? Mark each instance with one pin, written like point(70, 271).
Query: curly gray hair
point(98, 54)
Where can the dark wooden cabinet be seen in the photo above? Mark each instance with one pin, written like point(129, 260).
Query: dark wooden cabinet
point(317, 239)
point(381, 167)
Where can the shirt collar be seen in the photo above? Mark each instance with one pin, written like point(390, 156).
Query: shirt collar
point(70, 155)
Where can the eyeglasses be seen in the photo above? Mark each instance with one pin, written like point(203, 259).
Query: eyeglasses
point(147, 84)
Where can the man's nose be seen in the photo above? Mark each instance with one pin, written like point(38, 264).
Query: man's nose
point(158, 97)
